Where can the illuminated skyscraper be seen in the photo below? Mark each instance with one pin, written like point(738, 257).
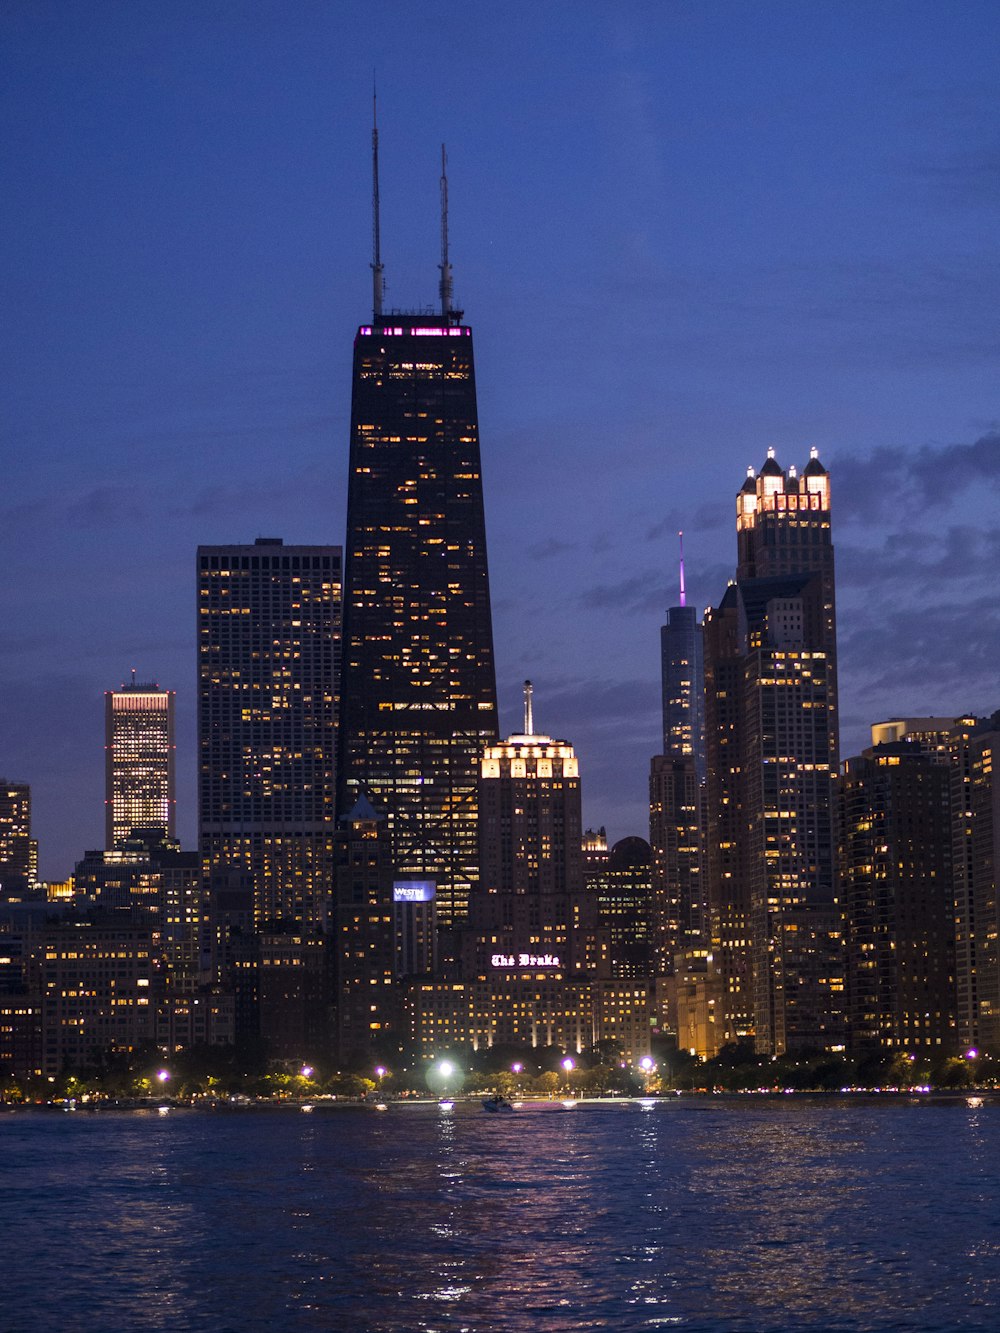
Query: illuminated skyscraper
point(139, 754)
point(18, 849)
point(268, 658)
point(419, 690)
point(770, 785)
point(531, 903)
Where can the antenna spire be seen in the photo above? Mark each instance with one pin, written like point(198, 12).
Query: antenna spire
point(683, 593)
point(376, 265)
point(529, 726)
point(445, 267)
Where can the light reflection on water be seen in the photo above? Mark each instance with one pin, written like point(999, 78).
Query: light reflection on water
point(702, 1215)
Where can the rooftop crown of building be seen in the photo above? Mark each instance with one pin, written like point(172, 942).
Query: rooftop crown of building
point(775, 490)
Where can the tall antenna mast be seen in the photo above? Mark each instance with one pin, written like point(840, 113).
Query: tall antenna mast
point(683, 594)
point(529, 726)
point(445, 284)
point(376, 266)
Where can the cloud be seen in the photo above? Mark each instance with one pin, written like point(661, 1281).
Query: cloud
point(883, 483)
point(548, 548)
point(937, 651)
point(640, 592)
point(919, 558)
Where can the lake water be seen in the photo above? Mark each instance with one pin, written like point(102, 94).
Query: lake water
point(698, 1214)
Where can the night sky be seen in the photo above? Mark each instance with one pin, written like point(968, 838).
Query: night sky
point(682, 232)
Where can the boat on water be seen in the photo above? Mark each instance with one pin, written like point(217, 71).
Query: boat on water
point(496, 1103)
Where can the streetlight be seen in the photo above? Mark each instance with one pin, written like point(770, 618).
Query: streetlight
point(440, 1073)
point(306, 1071)
point(647, 1064)
point(163, 1075)
point(568, 1064)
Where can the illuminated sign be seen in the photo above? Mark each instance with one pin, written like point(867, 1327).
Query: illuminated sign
point(506, 960)
point(414, 890)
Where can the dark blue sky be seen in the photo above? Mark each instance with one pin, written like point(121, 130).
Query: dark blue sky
point(682, 232)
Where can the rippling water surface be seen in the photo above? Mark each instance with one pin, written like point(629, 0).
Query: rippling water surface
point(696, 1214)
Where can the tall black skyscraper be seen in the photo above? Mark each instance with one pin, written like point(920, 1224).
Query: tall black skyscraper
point(419, 688)
point(676, 780)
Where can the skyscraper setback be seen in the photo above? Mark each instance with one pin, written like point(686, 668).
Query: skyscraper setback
point(419, 689)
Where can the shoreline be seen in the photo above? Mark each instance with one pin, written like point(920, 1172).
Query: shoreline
point(916, 1096)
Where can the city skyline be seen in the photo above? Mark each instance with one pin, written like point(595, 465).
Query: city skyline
point(177, 373)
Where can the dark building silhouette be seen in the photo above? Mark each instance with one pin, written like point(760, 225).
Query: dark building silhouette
point(268, 660)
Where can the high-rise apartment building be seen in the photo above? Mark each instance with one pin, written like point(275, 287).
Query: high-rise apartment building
point(419, 689)
point(777, 653)
point(623, 890)
point(18, 849)
point(895, 853)
point(955, 743)
point(675, 837)
point(268, 662)
point(139, 753)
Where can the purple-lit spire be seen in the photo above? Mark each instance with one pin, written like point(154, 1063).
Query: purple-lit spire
point(683, 593)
